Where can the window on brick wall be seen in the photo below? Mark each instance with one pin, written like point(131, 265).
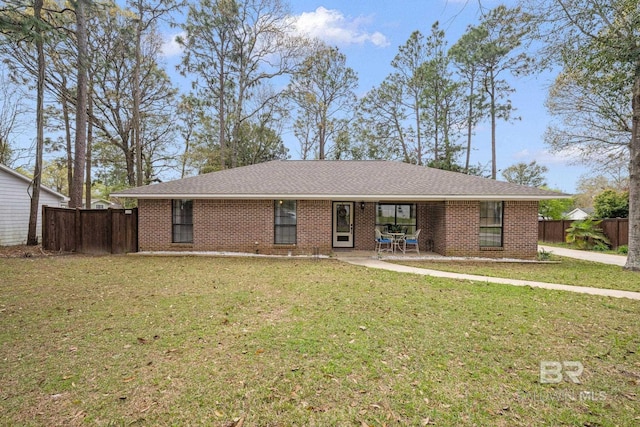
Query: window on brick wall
point(491, 224)
point(285, 222)
point(396, 217)
point(182, 221)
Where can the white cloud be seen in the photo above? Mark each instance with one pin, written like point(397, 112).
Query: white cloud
point(333, 27)
point(546, 157)
point(170, 47)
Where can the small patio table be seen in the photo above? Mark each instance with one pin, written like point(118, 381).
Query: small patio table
point(397, 238)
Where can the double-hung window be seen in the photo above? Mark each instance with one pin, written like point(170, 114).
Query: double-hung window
point(491, 214)
point(285, 222)
point(182, 221)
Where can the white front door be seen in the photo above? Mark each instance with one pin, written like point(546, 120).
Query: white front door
point(342, 224)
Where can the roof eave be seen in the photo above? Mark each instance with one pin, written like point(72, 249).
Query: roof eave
point(358, 197)
point(28, 180)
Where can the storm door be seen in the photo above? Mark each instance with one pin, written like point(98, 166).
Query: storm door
point(342, 224)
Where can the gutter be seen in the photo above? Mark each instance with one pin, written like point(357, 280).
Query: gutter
point(345, 197)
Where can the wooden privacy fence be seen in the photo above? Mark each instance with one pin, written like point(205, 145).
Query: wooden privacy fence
point(616, 230)
point(90, 231)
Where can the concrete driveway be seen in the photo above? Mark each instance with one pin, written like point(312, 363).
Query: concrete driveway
point(586, 255)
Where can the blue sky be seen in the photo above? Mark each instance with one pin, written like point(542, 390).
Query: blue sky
point(369, 34)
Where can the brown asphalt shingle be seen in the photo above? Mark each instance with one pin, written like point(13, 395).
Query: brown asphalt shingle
point(327, 179)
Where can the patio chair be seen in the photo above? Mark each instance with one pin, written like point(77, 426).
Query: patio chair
point(412, 239)
point(383, 239)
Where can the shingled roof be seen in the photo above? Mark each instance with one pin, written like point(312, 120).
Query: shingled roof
point(366, 180)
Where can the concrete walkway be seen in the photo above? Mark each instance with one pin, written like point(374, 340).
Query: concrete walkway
point(372, 262)
point(586, 255)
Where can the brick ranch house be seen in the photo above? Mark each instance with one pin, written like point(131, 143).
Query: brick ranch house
point(305, 207)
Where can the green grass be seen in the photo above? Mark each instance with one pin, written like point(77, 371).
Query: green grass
point(566, 271)
point(278, 342)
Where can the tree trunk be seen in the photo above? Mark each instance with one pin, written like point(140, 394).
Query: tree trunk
point(136, 99)
point(32, 233)
point(492, 95)
point(81, 108)
point(469, 124)
point(88, 183)
point(129, 157)
point(322, 129)
point(436, 124)
point(67, 133)
point(221, 117)
point(185, 155)
point(418, 134)
point(633, 256)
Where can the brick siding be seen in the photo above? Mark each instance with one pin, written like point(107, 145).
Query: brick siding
point(448, 228)
point(154, 225)
point(520, 238)
point(436, 226)
point(236, 226)
point(363, 228)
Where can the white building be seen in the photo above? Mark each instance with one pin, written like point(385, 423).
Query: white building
point(579, 214)
point(15, 204)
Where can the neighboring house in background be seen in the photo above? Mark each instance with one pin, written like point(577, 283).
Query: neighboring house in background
point(15, 194)
point(98, 204)
point(304, 207)
point(104, 204)
point(579, 214)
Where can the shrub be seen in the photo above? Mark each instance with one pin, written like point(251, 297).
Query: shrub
point(544, 255)
point(624, 249)
point(611, 204)
point(600, 247)
point(586, 234)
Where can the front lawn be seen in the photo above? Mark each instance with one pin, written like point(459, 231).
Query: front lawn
point(566, 271)
point(122, 340)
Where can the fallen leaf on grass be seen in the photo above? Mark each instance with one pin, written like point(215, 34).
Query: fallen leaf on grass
point(148, 407)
